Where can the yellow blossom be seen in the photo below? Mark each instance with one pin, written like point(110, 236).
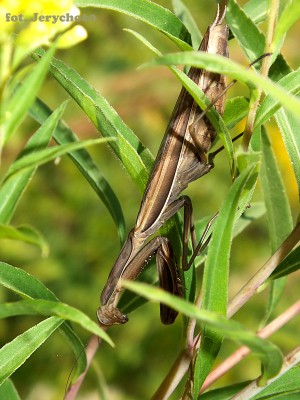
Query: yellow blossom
point(38, 23)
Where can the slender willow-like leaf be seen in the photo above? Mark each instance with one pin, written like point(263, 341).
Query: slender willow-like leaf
point(147, 11)
point(289, 126)
point(269, 354)
point(23, 98)
point(252, 43)
point(25, 234)
point(8, 391)
point(184, 14)
point(84, 162)
point(280, 222)
point(223, 65)
point(13, 188)
point(52, 308)
point(132, 153)
point(289, 265)
point(256, 10)
point(287, 19)
point(43, 156)
point(29, 287)
point(16, 352)
point(216, 272)
point(269, 106)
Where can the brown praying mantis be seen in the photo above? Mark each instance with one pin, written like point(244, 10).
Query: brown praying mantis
point(182, 158)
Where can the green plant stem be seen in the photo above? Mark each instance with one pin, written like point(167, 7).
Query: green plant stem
point(266, 63)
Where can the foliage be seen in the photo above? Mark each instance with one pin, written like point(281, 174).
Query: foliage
point(273, 88)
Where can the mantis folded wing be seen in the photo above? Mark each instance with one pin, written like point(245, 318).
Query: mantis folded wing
point(181, 159)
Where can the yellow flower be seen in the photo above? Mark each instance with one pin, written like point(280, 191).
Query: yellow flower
point(38, 23)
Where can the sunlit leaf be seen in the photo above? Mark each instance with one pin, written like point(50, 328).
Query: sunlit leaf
point(149, 12)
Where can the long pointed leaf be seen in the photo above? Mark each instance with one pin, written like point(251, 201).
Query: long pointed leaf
point(16, 352)
point(84, 162)
point(135, 157)
point(289, 127)
point(216, 272)
point(43, 156)
point(269, 354)
point(53, 308)
point(12, 189)
point(253, 44)
point(223, 65)
point(25, 234)
point(270, 105)
point(24, 97)
point(147, 11)
point(29, 287)
point(8, 391)
point(280, 222)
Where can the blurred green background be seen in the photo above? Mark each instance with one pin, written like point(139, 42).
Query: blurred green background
point(82, 236)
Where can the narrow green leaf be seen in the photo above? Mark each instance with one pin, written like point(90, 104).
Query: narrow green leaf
point(26, 234)
point(256, 210)
point(12, 189)
point(16, 352)
point(22, 100)
point(286, 387)
point(43, 156)
point(152, 14)
point(132, 153)
point(289, 265)
point(287, 19)
point(29, 287)
point(84, 162)
point(277, 205)
point(280, 222)
point(289, 126)
point(8, 391)
point(53, 308)
point(184, 14)
point(24, 284)
point(216, 272)
point(269, 354)
point(253, 44)
point(223, 393)
point(291, 83)
point(223, 65)
point(235, 110)
point(256, 10)
point(283, 388)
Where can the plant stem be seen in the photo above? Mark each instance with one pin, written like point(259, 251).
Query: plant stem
point(243, 351)
point(174, 376)
point(292, 359)
point(90, 353)
point(262, 275)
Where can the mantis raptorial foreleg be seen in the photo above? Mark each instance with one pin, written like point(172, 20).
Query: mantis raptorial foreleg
point(182, 158)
